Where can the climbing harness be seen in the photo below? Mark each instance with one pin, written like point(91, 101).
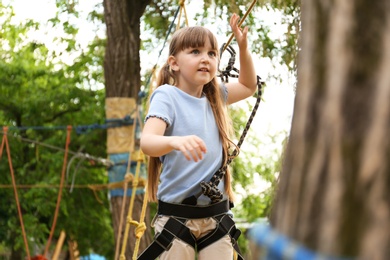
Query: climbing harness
point(176, 228)
point(179, 214)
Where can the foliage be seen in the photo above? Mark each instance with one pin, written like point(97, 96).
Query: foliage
point(40, 93)
point(254, 174)
point(282, 49)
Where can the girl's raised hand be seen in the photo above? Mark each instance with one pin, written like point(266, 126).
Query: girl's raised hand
point(191, 146)
point(239, 34)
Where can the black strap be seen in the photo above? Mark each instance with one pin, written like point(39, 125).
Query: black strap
point(174, 228)
point(225, 226)
point(193, 212)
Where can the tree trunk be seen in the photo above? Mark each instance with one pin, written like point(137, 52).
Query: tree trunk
point(123, 82)
point(334, 189)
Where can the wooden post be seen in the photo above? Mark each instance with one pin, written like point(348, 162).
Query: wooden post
point(59, 245)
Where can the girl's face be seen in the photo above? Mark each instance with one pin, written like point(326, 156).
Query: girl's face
point(194, 67)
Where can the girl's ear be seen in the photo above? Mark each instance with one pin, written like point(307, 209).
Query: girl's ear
point(173, 63)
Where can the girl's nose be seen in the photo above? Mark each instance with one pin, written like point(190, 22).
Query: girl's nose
point(204, 59)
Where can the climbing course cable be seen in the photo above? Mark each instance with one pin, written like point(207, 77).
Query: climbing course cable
point(69, 130)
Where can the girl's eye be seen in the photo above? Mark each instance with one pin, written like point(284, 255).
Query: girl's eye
point(195, 51)
point(212, 53)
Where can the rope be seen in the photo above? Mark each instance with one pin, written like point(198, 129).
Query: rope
point(94, 187)
point(81, 129)
point(162, 48)
point(69, 130)
point(278, 246)
point(103, 161)
point(239, 24)
point(6, 144)
point(141, 227)
point(130, 221)
point(210, 188)
point(140, 230)
point(125, 187)
point(182, 8)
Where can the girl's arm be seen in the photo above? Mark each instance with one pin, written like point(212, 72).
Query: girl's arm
point(247, 80)
point(155, 144)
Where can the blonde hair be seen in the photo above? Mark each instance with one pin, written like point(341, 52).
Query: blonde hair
point(194, 37)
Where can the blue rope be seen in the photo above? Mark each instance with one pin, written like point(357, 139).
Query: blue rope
point(280, 247)
point(81, 129)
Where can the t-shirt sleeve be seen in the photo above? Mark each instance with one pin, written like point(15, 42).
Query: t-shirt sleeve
point(161, 106)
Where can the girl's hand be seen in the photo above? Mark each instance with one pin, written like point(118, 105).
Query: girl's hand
point(239, 34)
point(191, 146)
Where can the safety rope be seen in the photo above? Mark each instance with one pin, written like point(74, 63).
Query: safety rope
point(6, 144)
point(69, 131)
point(210, 188)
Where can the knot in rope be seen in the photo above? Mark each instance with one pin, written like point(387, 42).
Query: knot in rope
point(128, 177)
point(211, 190)
point(140, 230)
point(181, 3)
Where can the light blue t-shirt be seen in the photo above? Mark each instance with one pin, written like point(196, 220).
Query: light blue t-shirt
point(186, 115)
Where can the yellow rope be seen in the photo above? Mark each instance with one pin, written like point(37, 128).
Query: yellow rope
point(140, 230)
point(135, 185)
point(130, 221)
point(125, 186)
point(182, 8)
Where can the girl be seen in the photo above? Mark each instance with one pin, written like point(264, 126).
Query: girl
point(187, 132)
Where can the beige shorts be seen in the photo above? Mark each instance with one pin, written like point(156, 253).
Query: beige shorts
point(219, 250)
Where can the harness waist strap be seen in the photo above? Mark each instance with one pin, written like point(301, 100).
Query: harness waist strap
point(192, 212)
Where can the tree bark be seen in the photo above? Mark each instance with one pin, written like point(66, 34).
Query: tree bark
point(334, 190)
point(122, 79)
point(122, 61)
